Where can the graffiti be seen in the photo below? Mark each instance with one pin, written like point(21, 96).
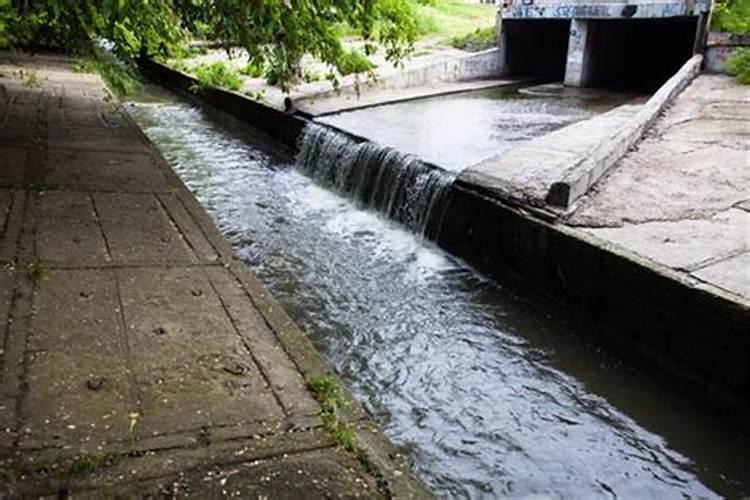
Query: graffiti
point(589, 10)
point(530, 10)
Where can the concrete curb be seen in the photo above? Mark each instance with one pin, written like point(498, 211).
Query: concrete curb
point(604, 156)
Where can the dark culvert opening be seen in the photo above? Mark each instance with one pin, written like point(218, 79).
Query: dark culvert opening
point(639, 54)
point(536, 48)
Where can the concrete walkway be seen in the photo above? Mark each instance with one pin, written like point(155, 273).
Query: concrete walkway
point(682, 197)
point(139, 355)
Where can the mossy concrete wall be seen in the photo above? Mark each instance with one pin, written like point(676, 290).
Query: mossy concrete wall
point(695, 332)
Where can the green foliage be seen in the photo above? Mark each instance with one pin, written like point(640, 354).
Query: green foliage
point(259, 96)
point(217, 74)
point(332, 399)
point(253, 70)
point(133, 26)
point(479, 39)
point(354, 61)
point(121, 77)
point(275, 33)
point(732, 16)
point(310, 75)
point(738, 64)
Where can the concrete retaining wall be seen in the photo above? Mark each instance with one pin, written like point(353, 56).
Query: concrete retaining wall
point(720, 46)
point(281, 126)
point(697, 334)
point(481, 65)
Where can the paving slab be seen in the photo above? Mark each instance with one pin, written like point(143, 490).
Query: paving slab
point(684, 243)
point(14, 166)
point(130, 240)
point(67, 229)
point(12, 203)
point(72, 397)
point(7, 404)
point(191, 364)
point(731, 274)
point(85, 170)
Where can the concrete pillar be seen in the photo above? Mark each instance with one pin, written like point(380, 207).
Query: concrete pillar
point(502, 45)
point(578, 65)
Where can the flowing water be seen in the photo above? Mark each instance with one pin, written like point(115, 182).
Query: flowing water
point(490, 391)
point(456, 131)
point(399, 186)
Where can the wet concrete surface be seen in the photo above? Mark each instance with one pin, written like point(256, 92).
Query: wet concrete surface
point(130, 331)
point(681, 196)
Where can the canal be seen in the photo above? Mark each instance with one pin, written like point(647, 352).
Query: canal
point(490, 390)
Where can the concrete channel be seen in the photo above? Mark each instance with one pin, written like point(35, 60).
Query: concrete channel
point(692, 331)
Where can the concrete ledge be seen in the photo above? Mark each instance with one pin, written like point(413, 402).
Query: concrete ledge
point(596, 163)
point(527, 173)
point(560, 167)
point(695, 332)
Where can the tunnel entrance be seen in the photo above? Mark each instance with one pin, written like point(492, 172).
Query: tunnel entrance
point(638, 54)
point(536, 48)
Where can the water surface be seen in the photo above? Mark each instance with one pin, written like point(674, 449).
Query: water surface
point(491, 392)
point(459, 130)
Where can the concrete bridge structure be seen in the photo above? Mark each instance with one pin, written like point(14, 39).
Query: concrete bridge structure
point(600, 42)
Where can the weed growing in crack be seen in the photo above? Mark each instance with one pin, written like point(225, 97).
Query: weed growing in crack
point(31, 79)
point(332, 400)
point(41, 185)
point(36, 270)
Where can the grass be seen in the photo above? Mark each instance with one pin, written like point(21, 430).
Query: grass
point(217, 75)
point(446, 18)
point(454, 18)
point(732, 16)
point(252, 70)
point(332, 400)
point(738, 64)
point(480, 39)
point(31, 79)
point(355, 62)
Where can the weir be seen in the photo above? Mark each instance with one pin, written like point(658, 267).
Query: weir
point(397, 185)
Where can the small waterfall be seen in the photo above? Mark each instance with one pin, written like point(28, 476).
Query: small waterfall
point(398, 185)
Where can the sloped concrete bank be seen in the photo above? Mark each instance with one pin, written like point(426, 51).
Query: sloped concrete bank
point(484, 65)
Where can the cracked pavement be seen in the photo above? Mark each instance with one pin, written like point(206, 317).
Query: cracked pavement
point(681, 197)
